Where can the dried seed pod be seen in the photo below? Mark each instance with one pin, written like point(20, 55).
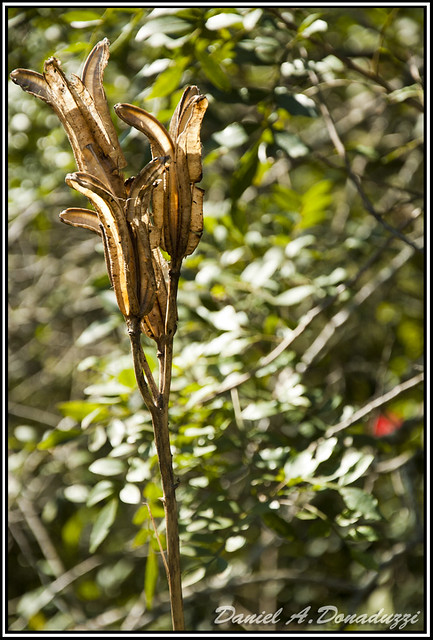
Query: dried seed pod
point(92, 136)
point(182, 111)
point(193, 143)
point(120, 250)
point(83, 218)
point(92, 77)
point(160, 207)
point(154, 323)
point(196, 224)
point(172, 198)
point(161, 143)
point(32, 82)
point(142, 184)
point(146, 278)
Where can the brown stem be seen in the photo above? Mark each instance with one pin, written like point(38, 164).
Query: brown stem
point(138, 357)
point(162, 443)
point(170, 329)
point(159, 413)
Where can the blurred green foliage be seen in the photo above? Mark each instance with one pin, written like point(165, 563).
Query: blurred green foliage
point(313, 174)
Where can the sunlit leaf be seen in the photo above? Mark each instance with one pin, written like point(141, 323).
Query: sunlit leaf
point(294, 296)
point(58, 436)
point(169, 80)
point(223, 20)
point(359, 501)
point(84, 15)
point(107, 467)
point(295, 104)
point(79, 409)
point(99, 492)
point(291, 144)
point(103, 524)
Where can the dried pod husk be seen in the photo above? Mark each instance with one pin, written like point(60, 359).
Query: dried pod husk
point(159, 138)
point(119, 248)
point(83, 218)
point(175, 203)
point(92, 77)
point(146, 282)
point(83, 111)
point(182, 111)
point(154, 323)
point(189, 170)
point(196, 223)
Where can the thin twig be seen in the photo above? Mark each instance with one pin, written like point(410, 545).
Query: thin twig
point(341, 317)
point(158, 540)
point(65, 580)
point(375, 403)
point(41, 535)
point(148, 375)
point(137, 358)
point(329, 49)
point(170, 328)
point(341, 150)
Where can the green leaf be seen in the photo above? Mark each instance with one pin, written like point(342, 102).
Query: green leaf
point(233, 135)
point(324, 449)
point(291, 144)
point(110, 388)
point(288, 199)
point(79, 409)
point(107, 467)
point(96, 331)
point(312, 24)
point(163, 24)
point(142, 537)
point(365, 559)
point(259, 410)
point(399, 95)
point(100, 491)
point(193, 576)
point(222, 20)
point(360, 463)
point(81, 16)
point(315, 203)
point(58, 436)
point(361, 502)
point(295, 103)
point(127, 378)
point(211, 68)
point(150, 576)
point(294, 296)
point(362, 533)
point(244, 174)
point(103, 524)
point(302, 465)
point(169, 80)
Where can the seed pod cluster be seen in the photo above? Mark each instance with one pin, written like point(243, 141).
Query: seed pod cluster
point(159, 209)
point(177, 199)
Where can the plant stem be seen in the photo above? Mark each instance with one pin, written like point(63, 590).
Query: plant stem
point(158, 407)
point(162, 443)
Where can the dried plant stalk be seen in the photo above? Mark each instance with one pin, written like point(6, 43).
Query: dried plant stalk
point(160, 210)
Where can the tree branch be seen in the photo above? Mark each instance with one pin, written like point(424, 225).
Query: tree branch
point(375, 403)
